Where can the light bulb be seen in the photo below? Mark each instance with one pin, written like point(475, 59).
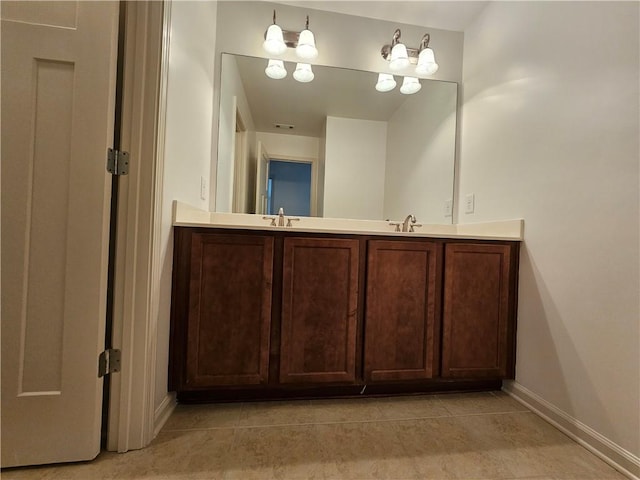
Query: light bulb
point(410, 85)
point(274, 41)
point(426, 63)
point(303, 73)
point(306, 45)
point(386, 82)
point(399, 58)
point(275, 69)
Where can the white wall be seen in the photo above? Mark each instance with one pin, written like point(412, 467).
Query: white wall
point(354, 168)
point(286, 146)
point(187, 140)
point(421, 155)
point(550, 134)
point(232, 98)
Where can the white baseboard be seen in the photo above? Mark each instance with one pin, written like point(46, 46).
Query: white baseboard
point(163, 412)
point(622, 460)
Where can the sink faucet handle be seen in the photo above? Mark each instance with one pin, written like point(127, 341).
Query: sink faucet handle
point(395, 224)
point(414, 225)
point(273, 221)
point(291, 219)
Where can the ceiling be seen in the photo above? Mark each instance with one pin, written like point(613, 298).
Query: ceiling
point(445, 15)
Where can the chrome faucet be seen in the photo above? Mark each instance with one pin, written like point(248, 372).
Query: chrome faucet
point(281, 218)
point(406, 225)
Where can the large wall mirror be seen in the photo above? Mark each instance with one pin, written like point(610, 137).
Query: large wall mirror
point(335, 146)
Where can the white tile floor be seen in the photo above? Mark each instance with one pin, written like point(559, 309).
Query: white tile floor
point(459, 436)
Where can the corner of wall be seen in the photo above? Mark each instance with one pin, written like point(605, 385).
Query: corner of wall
point(622, 460)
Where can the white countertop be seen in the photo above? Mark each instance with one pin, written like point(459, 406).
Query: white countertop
point(187, 216)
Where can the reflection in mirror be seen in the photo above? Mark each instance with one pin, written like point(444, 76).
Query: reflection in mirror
point(364, 154)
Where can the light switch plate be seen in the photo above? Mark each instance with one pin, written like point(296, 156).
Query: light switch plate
point(469, 203)
point(448, 208)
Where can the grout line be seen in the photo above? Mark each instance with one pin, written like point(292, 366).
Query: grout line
point(347, 422)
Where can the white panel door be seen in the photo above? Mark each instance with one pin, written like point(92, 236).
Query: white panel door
point(58, 91)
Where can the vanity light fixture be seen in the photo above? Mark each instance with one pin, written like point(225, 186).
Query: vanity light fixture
point(274, 39)
point(276, 42)
point(410, 85)
point(401, 57)
point(306, 43)
point(385, 83)
point(275, 69)
point(426, 59)
point(303, 73)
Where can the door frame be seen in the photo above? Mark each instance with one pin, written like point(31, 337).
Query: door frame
point(240, 162)
point(133, 421)
point(313, 206)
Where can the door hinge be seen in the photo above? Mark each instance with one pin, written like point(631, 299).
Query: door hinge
point(109, 362)
point(117, 162)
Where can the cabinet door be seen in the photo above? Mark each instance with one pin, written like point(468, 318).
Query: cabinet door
point(319, 310)
point(477, 321)
point(229, 310)
point(402, 308)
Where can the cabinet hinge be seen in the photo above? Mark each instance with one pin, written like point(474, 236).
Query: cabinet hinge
point(109, 362)
point(117, 162)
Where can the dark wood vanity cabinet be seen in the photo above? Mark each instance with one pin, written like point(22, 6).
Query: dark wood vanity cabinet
point(479, 310)
point(223, 338)
point(319, 316)
point(401, 338)
point(276, 313)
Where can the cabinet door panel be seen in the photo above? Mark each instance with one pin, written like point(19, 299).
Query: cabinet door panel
point(476, 311)
point(229, 309)
point(319, 310)
point(402, 308)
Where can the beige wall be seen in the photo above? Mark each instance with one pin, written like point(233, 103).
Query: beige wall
point(550, 134)
point(421, 137)
point(354, 163)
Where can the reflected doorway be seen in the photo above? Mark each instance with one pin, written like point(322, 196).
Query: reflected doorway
point(289, 187)
point(302, 171)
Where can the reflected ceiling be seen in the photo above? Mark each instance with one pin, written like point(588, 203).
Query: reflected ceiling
point(333, 92)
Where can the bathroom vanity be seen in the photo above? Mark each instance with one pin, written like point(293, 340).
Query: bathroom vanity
point(323, 310)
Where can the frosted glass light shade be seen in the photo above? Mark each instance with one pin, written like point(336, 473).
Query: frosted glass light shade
point(386, 82)
point(306, 45)
point(275, 69)
point(410, 85)
point(399, 58)
point(426, 63)
point(303, 73)
point(274, 41)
